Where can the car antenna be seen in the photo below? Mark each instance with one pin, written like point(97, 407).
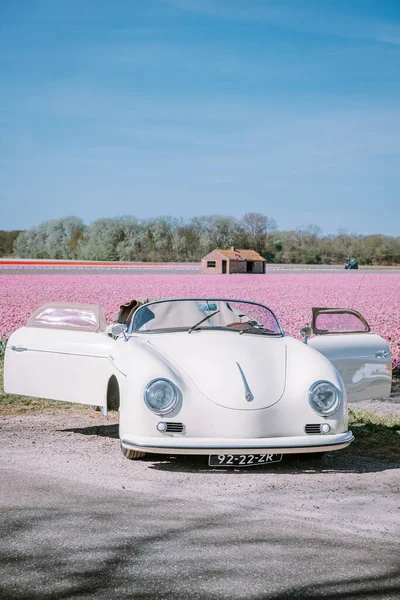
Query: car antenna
point(358, 289)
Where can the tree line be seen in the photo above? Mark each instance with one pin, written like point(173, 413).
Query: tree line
point(7, 239)
point(168, 239)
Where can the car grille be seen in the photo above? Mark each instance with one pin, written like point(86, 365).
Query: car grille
point(311, 428)
point(175, 427)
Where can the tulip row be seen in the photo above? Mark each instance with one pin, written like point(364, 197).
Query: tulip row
point(291, 296)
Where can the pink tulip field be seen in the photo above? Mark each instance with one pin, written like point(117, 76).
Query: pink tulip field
point(291, 296)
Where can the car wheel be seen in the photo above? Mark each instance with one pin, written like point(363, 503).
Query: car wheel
point(113, 394)
point(131, 454)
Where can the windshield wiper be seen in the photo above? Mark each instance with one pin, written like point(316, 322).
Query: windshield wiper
point(202, 321)
point(256, 330)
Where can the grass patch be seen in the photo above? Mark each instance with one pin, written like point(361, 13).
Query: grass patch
point(377, 435)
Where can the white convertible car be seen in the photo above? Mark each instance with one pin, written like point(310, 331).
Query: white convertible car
point(217, 377)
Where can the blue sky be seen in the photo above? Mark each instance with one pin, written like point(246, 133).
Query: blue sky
point(189, 107)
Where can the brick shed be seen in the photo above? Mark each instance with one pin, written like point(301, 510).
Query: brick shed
point(233, 261)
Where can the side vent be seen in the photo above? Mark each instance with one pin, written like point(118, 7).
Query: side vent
point(174, 428)
point(311, 428)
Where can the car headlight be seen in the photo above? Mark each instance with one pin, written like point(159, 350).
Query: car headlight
point(161, 396)
point(324, 398)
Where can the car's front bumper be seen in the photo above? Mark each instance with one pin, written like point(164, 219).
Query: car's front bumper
point(278, 445)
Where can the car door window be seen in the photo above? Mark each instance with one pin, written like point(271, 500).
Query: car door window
point(333, 321)
point(68, 316)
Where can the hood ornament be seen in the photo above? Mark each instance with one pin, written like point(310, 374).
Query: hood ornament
point(247, 391)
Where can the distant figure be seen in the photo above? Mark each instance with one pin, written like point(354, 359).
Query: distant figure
point(352, 263)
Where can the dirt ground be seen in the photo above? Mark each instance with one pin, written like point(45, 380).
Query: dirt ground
point(80, 521)
point(82, 445)
point(389, 405)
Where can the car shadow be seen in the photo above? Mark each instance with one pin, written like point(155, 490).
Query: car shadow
point(294, 464)
point(110, 431)
point(331, 462)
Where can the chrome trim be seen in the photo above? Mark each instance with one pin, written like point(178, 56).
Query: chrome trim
point(282, 333)
point(338, 394)
point(20, 349)
point(111, 360)
point(312, 428)
point(359, 356)
point(343, 442)
point(174, 427)
point(170, 408)
point(247, 391)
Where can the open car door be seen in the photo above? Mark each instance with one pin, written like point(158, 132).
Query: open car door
point(60, 354)
point(362, 358)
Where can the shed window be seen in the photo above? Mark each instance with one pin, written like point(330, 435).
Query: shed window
point(211, 263)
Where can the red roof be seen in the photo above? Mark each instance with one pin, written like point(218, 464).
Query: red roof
point(237, 254)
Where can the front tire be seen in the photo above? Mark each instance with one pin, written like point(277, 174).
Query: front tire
point(131, 454)
point(113, 394)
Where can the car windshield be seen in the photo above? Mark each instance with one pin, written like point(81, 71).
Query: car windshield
point(195, 315)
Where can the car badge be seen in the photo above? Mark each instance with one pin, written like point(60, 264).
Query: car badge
point(247, 392)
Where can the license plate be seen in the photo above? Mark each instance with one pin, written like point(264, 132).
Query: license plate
point(242, 460)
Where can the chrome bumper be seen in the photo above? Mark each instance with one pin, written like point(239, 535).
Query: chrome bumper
point(280, 445)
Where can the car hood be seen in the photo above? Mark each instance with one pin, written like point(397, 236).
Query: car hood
point(242, 372)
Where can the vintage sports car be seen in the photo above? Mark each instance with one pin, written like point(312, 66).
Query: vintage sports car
point(217, 377)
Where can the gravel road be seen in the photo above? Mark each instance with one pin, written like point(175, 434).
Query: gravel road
point(389, 405)
point(80, 521)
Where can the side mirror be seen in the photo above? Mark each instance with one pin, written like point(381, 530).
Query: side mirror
point(306, 332)
point(119, 328)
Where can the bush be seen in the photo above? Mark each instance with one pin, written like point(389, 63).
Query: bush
point(3, 344)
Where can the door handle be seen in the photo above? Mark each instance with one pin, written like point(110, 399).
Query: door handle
point(382, 354)
point(18, 349)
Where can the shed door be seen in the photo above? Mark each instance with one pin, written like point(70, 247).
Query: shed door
point(224, 266)
point(74, 366)
point(362, 358)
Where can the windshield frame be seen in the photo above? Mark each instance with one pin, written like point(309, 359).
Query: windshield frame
point(186, 329)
